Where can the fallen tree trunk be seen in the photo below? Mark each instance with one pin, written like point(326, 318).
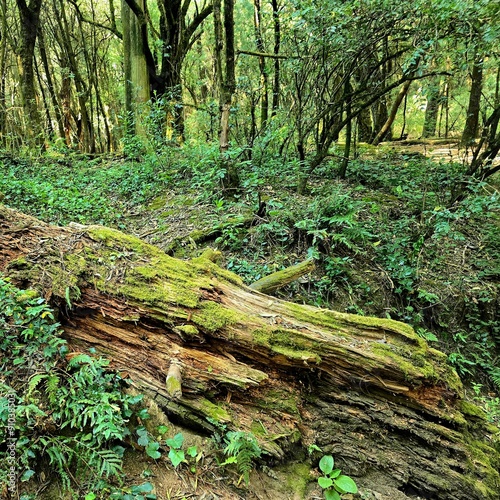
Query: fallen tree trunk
point(211, 351)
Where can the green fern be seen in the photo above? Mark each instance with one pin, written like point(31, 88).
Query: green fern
point(33, 383)
point(242, 449)
point(52, 385)
point(495, 377)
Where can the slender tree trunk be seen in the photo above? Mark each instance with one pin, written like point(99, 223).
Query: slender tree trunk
point(29, 18)
point(471, 128)
point(276, 51)
point(348, 133)
point(365, 128)
point(48, 120)
point(227, 81)
point(50, 83)
point(432, 109)
point(137, 91)
point(85, 131)
point(3, 71)
point(264, 77)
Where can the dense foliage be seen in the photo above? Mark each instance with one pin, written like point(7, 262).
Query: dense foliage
point(63, 413)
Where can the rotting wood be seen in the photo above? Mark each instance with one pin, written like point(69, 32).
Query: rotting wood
point(365, 389)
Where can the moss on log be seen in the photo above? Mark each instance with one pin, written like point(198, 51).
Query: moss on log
point(279, 279)
point(211, 351)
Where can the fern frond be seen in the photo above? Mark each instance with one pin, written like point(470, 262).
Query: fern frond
point(52, 387)
point(33, 383)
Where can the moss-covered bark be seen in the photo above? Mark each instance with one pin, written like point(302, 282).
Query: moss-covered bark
point(367, 389)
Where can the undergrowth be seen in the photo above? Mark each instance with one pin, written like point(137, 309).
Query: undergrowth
point(62, 414)
point(387, 241)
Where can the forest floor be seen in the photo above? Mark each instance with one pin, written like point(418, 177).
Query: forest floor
point(387, 242)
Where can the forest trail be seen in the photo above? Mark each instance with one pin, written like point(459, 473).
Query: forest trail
point(439, 151)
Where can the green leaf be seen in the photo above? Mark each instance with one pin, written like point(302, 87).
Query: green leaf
point(346, 484)
point(143, 488)
point(326, 464)
point(192, 451)
point(90, 496)
point(176, 457)
point(143, 440)
point(162, 429)
point(331, 495)
point(230, 460)
point(335, 473)
point(325, 482)
point(176, 441)
point(27, 475)
point(152, 450)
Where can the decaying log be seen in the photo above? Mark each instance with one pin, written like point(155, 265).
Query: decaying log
point(279, 279)
point(210, 350)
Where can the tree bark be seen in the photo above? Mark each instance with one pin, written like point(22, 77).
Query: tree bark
point(368, 390)
point(432, 108)
point(29, 18)
point(264, 77)
point(227, 84)
point(137, 91)
point(276, 51)
point(471, 128)
point(279, 279)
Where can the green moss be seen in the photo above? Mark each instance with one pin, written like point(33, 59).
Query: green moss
point(173, 386)
point(298, 477)
point(113, 237)
point(343, 323)
point(27, 295)
point(289, 343)
point(214, 412)
point(283, 402)
point(188, 330)
point(257, 428)
point(210, 268)
point(484, 461)
point(472, 410)
point(19, 263)
point(212, 316)
point(157, 203)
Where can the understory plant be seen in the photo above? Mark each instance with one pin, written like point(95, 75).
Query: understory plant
point(333, 483)
point(242, 449)
point(65, 413)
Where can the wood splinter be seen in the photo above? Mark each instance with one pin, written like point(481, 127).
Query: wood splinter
point(174, 380)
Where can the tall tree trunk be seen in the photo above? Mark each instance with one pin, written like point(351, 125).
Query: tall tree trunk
point(276, 51)
point(471, 128)
point(432, 108)
point(367, 389)
point(85, 129)
point(178, 28)
point(50, 83)
point(3, 71)
point(348, 133)
point(365, 128)
point(227, 84)
point(136, 71)
point(264, 77)
point(29, 18)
